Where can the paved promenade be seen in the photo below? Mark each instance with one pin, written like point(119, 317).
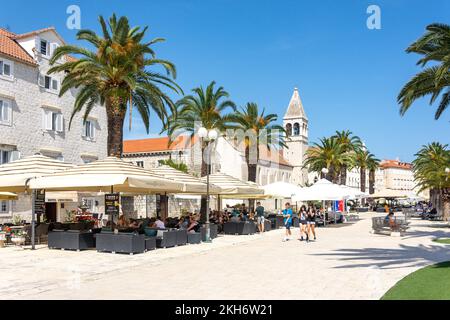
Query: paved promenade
point(346, 262)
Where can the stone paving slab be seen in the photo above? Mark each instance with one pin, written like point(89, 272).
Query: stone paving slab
point(344, 263)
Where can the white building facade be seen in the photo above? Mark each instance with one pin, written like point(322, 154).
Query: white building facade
point(33, 118)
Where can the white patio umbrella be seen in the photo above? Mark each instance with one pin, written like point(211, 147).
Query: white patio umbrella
point(104, 175)
point(322, 190)
point(14, 175)
point(234, 188)
point(355, 193)
point(192, 185)
point(281, 190)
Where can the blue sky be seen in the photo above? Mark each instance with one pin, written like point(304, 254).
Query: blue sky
point(348, 76)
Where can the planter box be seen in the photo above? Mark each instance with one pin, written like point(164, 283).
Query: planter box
point(120, 243)
point(241, 227)
point(181, 237)
point(71, 240)
point(150, 243)
point(194, 238)
point(213, 230)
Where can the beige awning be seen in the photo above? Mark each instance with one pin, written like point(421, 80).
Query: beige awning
point(192, 185)
point(8, 196)
point(390, 193)
point(14, 175)
point(110, 174)
point(61, 196)
point(232, 187)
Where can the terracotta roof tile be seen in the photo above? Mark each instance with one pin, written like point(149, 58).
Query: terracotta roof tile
point(161, 145)
point(154, 145)
point(395, 164)
point(10, 48)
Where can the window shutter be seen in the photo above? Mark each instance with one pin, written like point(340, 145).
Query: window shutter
point(14, 155)
point(59, 122)
point(41, 80)
point(1, 67)
point(47, 119)
point(54, 84)
point(93, 129)
point(6, 111)
point(53, 47)
point(83, 130)
point(37, 45)
point(6, 69)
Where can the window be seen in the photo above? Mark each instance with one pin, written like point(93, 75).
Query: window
point(48, 82)
point(52, 120)
point(43, 47)
point(140, 164)
point(296, 129)
point(6, 68)
point(5, 112)
point(89, 129)
point(8, 156)
point(90, 204)
point(4, 206)
point(289, 129)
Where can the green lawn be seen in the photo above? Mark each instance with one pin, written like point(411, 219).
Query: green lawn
point(429, 283)
point(442, 240)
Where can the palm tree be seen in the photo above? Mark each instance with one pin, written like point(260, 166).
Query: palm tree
point(350, 145)
point(434, 46)
point(257, 129)
point(372, 165)
point(205, 108)
point(326, 154)
point(180, 166)
point(430, 173)
point(363, 160)
point(115, 76)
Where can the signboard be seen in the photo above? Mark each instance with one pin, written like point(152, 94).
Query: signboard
point(112, 201)
point(39, 202)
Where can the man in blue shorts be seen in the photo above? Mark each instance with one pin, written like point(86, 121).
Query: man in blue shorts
point(287, 215)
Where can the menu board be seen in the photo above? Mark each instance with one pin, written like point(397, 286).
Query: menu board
point(39, 202)
point(112, 201)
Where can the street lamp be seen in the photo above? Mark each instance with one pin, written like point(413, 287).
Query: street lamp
point(325, 172)
point(209, 136)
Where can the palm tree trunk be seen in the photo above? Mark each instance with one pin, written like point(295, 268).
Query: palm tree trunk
point(251, 175)
point(343, 175)
point(371, 181)
point(362, 177)
point(115, 117)
point(445, 194)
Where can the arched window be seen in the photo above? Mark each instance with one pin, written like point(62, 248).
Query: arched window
point(289, 129)
point(296, 129)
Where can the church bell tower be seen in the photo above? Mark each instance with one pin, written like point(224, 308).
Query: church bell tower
point(295, 123)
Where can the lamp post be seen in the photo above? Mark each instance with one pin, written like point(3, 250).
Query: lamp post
point(209, 136)
point(325, 172)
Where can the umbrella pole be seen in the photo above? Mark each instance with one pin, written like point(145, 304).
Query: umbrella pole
point(33, 220)
point(111, 218)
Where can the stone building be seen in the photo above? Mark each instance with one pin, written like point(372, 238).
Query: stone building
point(33, 118)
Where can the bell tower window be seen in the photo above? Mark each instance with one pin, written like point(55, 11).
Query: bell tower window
point(289, 129)
point(296, 129)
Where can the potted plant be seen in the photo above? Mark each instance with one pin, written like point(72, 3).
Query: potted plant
point(17, 220)
point(2, 238)
point(71, 216)
point(18, 237)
